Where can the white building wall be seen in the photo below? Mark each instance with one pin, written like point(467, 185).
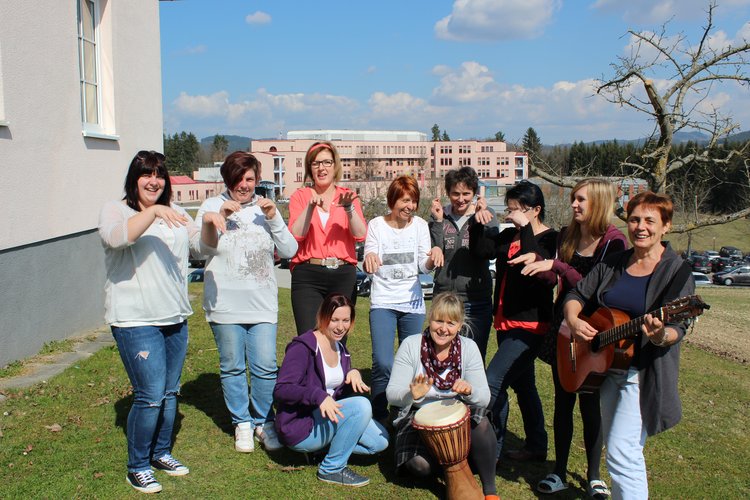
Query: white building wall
point(55, 180)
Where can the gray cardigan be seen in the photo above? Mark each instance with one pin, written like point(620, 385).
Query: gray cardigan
point(659, 366)
point(407, 365)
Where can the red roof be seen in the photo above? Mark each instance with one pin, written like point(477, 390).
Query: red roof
point(181, 179)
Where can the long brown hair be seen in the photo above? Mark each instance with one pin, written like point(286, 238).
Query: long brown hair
point(601, 196)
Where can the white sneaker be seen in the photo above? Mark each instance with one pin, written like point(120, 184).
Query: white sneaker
point(243, 437)
point(267, 437)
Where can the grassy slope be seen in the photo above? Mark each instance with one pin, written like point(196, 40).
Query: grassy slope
point(704, 457)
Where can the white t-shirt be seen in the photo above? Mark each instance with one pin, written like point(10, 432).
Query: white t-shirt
point(146, 280)
point(403, 253)
point(333, 375)
point(239, 280)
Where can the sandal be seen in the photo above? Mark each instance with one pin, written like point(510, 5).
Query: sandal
point(598, 489)
point(551, 484)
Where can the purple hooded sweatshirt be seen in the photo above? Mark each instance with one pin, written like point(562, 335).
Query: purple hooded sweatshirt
point(300, 387)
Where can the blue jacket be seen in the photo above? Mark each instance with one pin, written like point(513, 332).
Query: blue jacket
point(300, 387)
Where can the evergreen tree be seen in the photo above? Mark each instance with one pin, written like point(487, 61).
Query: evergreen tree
point(435, 132)
point(445, 136)
point(499, 136)
point(219, 148)
point(531, 142)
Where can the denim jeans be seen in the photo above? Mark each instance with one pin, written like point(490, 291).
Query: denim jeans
point(356, 432)
point(153, 357)
point(624, 434)
point(244, 348)
point(383, 326)
point(479, 320)
point(513, 366)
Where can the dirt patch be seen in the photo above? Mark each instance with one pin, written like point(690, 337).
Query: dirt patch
point(725, 328)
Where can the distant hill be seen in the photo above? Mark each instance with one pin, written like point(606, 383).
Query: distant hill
point(236, 143)
point(679, 138)
point(740, 137)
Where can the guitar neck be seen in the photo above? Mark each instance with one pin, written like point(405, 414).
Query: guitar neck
point(625, 330)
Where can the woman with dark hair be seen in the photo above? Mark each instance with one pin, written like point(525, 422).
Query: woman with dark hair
point(397, 249)
point(522, 312)
point(462, 272)
point(326, 220)
point(315, 401)
point(643, 399)
point(441, 365)
point(240, 231)
point(588, 238)
point(146, 247)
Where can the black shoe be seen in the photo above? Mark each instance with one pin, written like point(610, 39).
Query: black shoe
point(170, 465)
point(143, 481)
point(345, 477)
point(524, 455)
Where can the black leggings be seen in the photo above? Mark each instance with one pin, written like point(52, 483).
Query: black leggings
point(481, 458)
point(563, 425)
point(311, 284)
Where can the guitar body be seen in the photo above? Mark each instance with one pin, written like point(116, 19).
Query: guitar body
point(583, 369)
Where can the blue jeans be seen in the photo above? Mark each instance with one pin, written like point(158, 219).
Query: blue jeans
point(356, 432)
point(479, 321)
point(624, 434)
point(242, 347)
point(383, 326)
point(513, 366)
point(153, 357)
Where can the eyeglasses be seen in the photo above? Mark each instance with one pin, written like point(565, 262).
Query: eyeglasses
point(321, 163)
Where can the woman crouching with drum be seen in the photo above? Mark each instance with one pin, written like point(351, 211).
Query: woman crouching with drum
point(441, 365)
point(311, 395)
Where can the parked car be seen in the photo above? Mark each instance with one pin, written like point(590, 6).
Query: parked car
point(196, 276)
point(731, 252)
point(195, 262)
point(364, 283)
point(701, 279)
point(736, 276)
point(699, 263)
point(721, 263)
point(711, 254)
point(428, 285)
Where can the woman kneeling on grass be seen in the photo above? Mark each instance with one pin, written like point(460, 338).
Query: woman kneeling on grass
point(313, 396)
point(440, 365)
point(146, 241)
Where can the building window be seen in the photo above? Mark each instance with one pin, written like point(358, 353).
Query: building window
point(299, 176)
point(3, 122)
point(88, 61)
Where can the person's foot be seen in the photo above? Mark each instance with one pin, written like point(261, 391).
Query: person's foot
point(526, 455)
point(143, 481)
point(243, 437)
point(267, 437)
point(598, 489)
point(344, 477)
point(551, 484)
point(169, 464)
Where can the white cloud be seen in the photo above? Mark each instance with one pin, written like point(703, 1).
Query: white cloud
point(661, 11)
point(472, 82)
point(491, 20)
point(400, 103)
point(216, 104)
point(258, 17)
point(193, 50)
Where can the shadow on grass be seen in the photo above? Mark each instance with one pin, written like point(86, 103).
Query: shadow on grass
point(204, 393)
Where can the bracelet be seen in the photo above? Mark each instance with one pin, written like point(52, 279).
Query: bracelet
point(348, 208)
point(664, 341)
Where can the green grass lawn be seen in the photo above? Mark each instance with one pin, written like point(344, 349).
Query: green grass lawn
point(66, 438)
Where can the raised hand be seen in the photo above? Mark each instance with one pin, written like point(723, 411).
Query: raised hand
point(483, 216)
point(169, 215)
point(229, 207)
point(215, 219)
point(347, 198)
point(436, 254)
point(331, 410)
point(461, 386)
point(268, 207)
point(436, 209)
point(420, 386)
point(354, 378)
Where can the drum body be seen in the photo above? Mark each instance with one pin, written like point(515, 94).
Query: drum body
point(445, 428)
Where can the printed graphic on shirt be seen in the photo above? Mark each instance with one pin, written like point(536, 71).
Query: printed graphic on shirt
point(248, 247)
point(398, 258)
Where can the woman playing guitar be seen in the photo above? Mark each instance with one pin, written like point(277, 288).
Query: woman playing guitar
point(641, 400)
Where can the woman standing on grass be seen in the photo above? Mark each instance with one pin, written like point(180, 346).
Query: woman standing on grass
point(643, 399)
point(397, 249)
point(315, 401)
point(146, 246)
point(585, 241)
point(326, 221)
point(522, 312)
point(240, 231)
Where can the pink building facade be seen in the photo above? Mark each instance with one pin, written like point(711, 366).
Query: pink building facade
point(186, 191)
point(370, 160)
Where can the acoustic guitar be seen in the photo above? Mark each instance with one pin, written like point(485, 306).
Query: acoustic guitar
point(583, 366)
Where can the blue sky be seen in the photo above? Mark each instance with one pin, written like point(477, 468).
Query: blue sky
point(261, 68)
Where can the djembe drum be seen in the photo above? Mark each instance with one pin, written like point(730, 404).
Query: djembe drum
point(445, 428)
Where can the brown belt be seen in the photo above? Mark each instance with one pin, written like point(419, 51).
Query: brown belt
point(329, 262)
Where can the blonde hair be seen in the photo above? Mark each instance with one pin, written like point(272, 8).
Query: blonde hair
point(447, 305)
point(601, 196)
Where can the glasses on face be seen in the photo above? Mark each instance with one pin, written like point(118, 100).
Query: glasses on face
point(322, 163)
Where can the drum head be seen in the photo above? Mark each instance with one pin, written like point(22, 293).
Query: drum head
point(440, 413)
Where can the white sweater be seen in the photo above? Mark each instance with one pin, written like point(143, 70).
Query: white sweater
point(146, 280)
point(240, 281)
point(403, 253)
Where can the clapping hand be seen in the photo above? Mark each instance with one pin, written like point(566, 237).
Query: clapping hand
point(420, 386)
point(461, 386)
